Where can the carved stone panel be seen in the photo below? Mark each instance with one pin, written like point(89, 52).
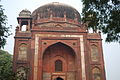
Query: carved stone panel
point(71, 75)
point(22, 55)
point(94, 53)
point(46, 76)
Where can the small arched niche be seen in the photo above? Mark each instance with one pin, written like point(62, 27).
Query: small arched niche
point(58, 66)
point(94, 53)
point(22, 53)
point(96, 73)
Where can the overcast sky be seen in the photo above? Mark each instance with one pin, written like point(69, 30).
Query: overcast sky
point(13, 7)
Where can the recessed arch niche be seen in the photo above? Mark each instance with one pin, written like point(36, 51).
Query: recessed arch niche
point(96, 72)
point(61, 53)
point(22, 52)
point(94, 53)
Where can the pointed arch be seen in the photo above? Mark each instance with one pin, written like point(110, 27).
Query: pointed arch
point(62, 52)
point(59, 78)
point(94, 53)
point(58, 25)
point(58, 66)
point(22, 52)
point(59, 43)
point(96, 72)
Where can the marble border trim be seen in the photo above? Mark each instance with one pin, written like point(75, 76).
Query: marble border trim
point(50, 35)
point(36, 58)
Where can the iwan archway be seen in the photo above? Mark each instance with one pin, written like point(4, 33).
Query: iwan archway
point(59, 60)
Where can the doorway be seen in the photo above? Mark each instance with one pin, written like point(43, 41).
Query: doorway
point(58, 78)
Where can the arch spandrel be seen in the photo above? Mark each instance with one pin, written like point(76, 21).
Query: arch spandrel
point(61, 42)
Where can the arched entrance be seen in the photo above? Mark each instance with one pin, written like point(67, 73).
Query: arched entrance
point(59, 60)
point(58, 78)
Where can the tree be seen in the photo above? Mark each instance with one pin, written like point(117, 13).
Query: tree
point(5, 65)
point(103, 15)
point(6, 72)
point(4, 31)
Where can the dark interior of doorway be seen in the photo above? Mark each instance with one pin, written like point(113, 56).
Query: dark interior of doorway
point(58, 78)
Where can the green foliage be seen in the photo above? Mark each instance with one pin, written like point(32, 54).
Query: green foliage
point(5, 65)
point(6, 72)
point(4, 31)
point(103, 15)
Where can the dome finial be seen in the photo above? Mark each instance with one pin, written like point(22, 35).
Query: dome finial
point(55, 2)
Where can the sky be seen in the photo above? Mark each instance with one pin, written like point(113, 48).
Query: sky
point(12, 8)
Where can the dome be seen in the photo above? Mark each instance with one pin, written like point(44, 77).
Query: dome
point(56, 10)
point(25, 13)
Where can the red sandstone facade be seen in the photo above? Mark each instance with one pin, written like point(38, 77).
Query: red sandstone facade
point(57, 46)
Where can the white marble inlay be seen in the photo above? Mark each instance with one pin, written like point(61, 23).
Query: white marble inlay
point(36, 58)
point(50, 35)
